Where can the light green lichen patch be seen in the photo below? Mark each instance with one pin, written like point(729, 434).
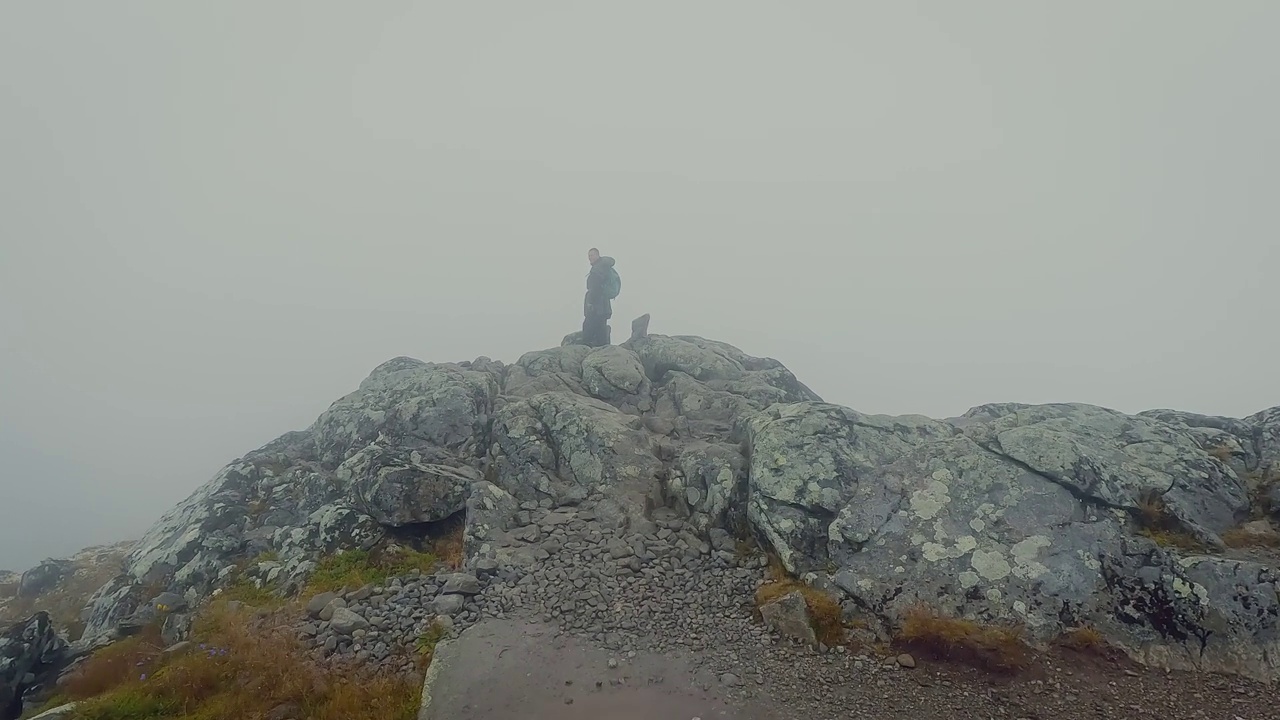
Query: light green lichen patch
point(1024, 553)
point(990, 564)
point(935, 552)
point(928, 501)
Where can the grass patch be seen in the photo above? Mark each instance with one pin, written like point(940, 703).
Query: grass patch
point(825, 615)
point(238, 666)
point(243, 590)
point(426, 644)
point(1083, 639)
point(998, 648)
point(356, 568)
point(56, 701)
point(1260, 505)
point(1158, 524)
point(1173, 539)
point(1221, 452)
point(115, 664)
point(1249, 537)
point(449, 548)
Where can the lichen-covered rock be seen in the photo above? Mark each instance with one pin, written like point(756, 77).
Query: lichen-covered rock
point(411, 405)
point(1266, 441)
point(397, 486)
point(1117, 460)
point(615, 375)
point(705, 478)
point(1011, 512)
point(555, 370)
point(490, 513)
point(807, 462)
point(549, 443)
point(900, 511)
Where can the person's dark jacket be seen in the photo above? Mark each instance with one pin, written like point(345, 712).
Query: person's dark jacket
point(596, 298)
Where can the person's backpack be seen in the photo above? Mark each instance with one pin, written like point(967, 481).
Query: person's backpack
point(612, 284)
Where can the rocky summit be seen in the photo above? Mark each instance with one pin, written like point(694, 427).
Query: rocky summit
point(616, 494)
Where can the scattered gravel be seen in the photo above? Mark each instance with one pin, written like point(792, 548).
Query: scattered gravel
point(660, 588)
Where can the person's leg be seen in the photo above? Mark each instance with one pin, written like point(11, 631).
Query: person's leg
point(593, 330)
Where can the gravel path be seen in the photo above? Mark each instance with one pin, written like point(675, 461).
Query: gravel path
point(662, 620)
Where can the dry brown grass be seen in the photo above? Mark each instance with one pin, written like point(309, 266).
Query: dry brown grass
point(825, 615)
point(449, 546)
point(998, 648)
point(1173, 539)
point(114, 665)
point(1222, 453)
point(1083, 639)
point(239, 667)
point(1157, 523)
point(1242, 537)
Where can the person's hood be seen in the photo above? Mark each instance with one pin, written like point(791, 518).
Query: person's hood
point(605, 262)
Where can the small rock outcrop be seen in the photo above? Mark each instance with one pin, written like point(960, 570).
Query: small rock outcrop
point(31, 654)
point(789, 615)
point(1049, 516)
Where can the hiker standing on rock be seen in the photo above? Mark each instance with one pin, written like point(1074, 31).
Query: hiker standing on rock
point(603, 285)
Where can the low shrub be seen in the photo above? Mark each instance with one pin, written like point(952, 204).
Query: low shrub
point(238, 666)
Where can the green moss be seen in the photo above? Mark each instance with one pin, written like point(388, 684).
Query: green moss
point(246, 592)
point(126, 704)
point(357, 568)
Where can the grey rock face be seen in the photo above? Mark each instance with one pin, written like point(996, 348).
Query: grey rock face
point(1016, 513)
point(588, 473)
point(42, 577)
point(396, 486)
point(807, 465)
point(615, 374)
point(411, 404)
point(1114, 459)
point(550, 442)
point(31, 654)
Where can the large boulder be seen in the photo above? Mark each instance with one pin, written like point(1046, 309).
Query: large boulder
point(31, 654)
point(397, 486)
point(549, 445)
point(808, 461)
point(1024, 514)
point(43, 577)
point(411, 405)
point(1118, 461)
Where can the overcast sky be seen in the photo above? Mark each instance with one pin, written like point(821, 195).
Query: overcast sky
point(216, 218)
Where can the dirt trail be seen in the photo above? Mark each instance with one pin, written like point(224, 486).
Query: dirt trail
point(516, 670)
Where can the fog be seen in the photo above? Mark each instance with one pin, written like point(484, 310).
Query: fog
point(217, 218)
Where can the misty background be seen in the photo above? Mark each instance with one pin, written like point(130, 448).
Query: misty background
point(217, 218)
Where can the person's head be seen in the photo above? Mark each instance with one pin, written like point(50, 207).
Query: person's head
point(593, 255)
